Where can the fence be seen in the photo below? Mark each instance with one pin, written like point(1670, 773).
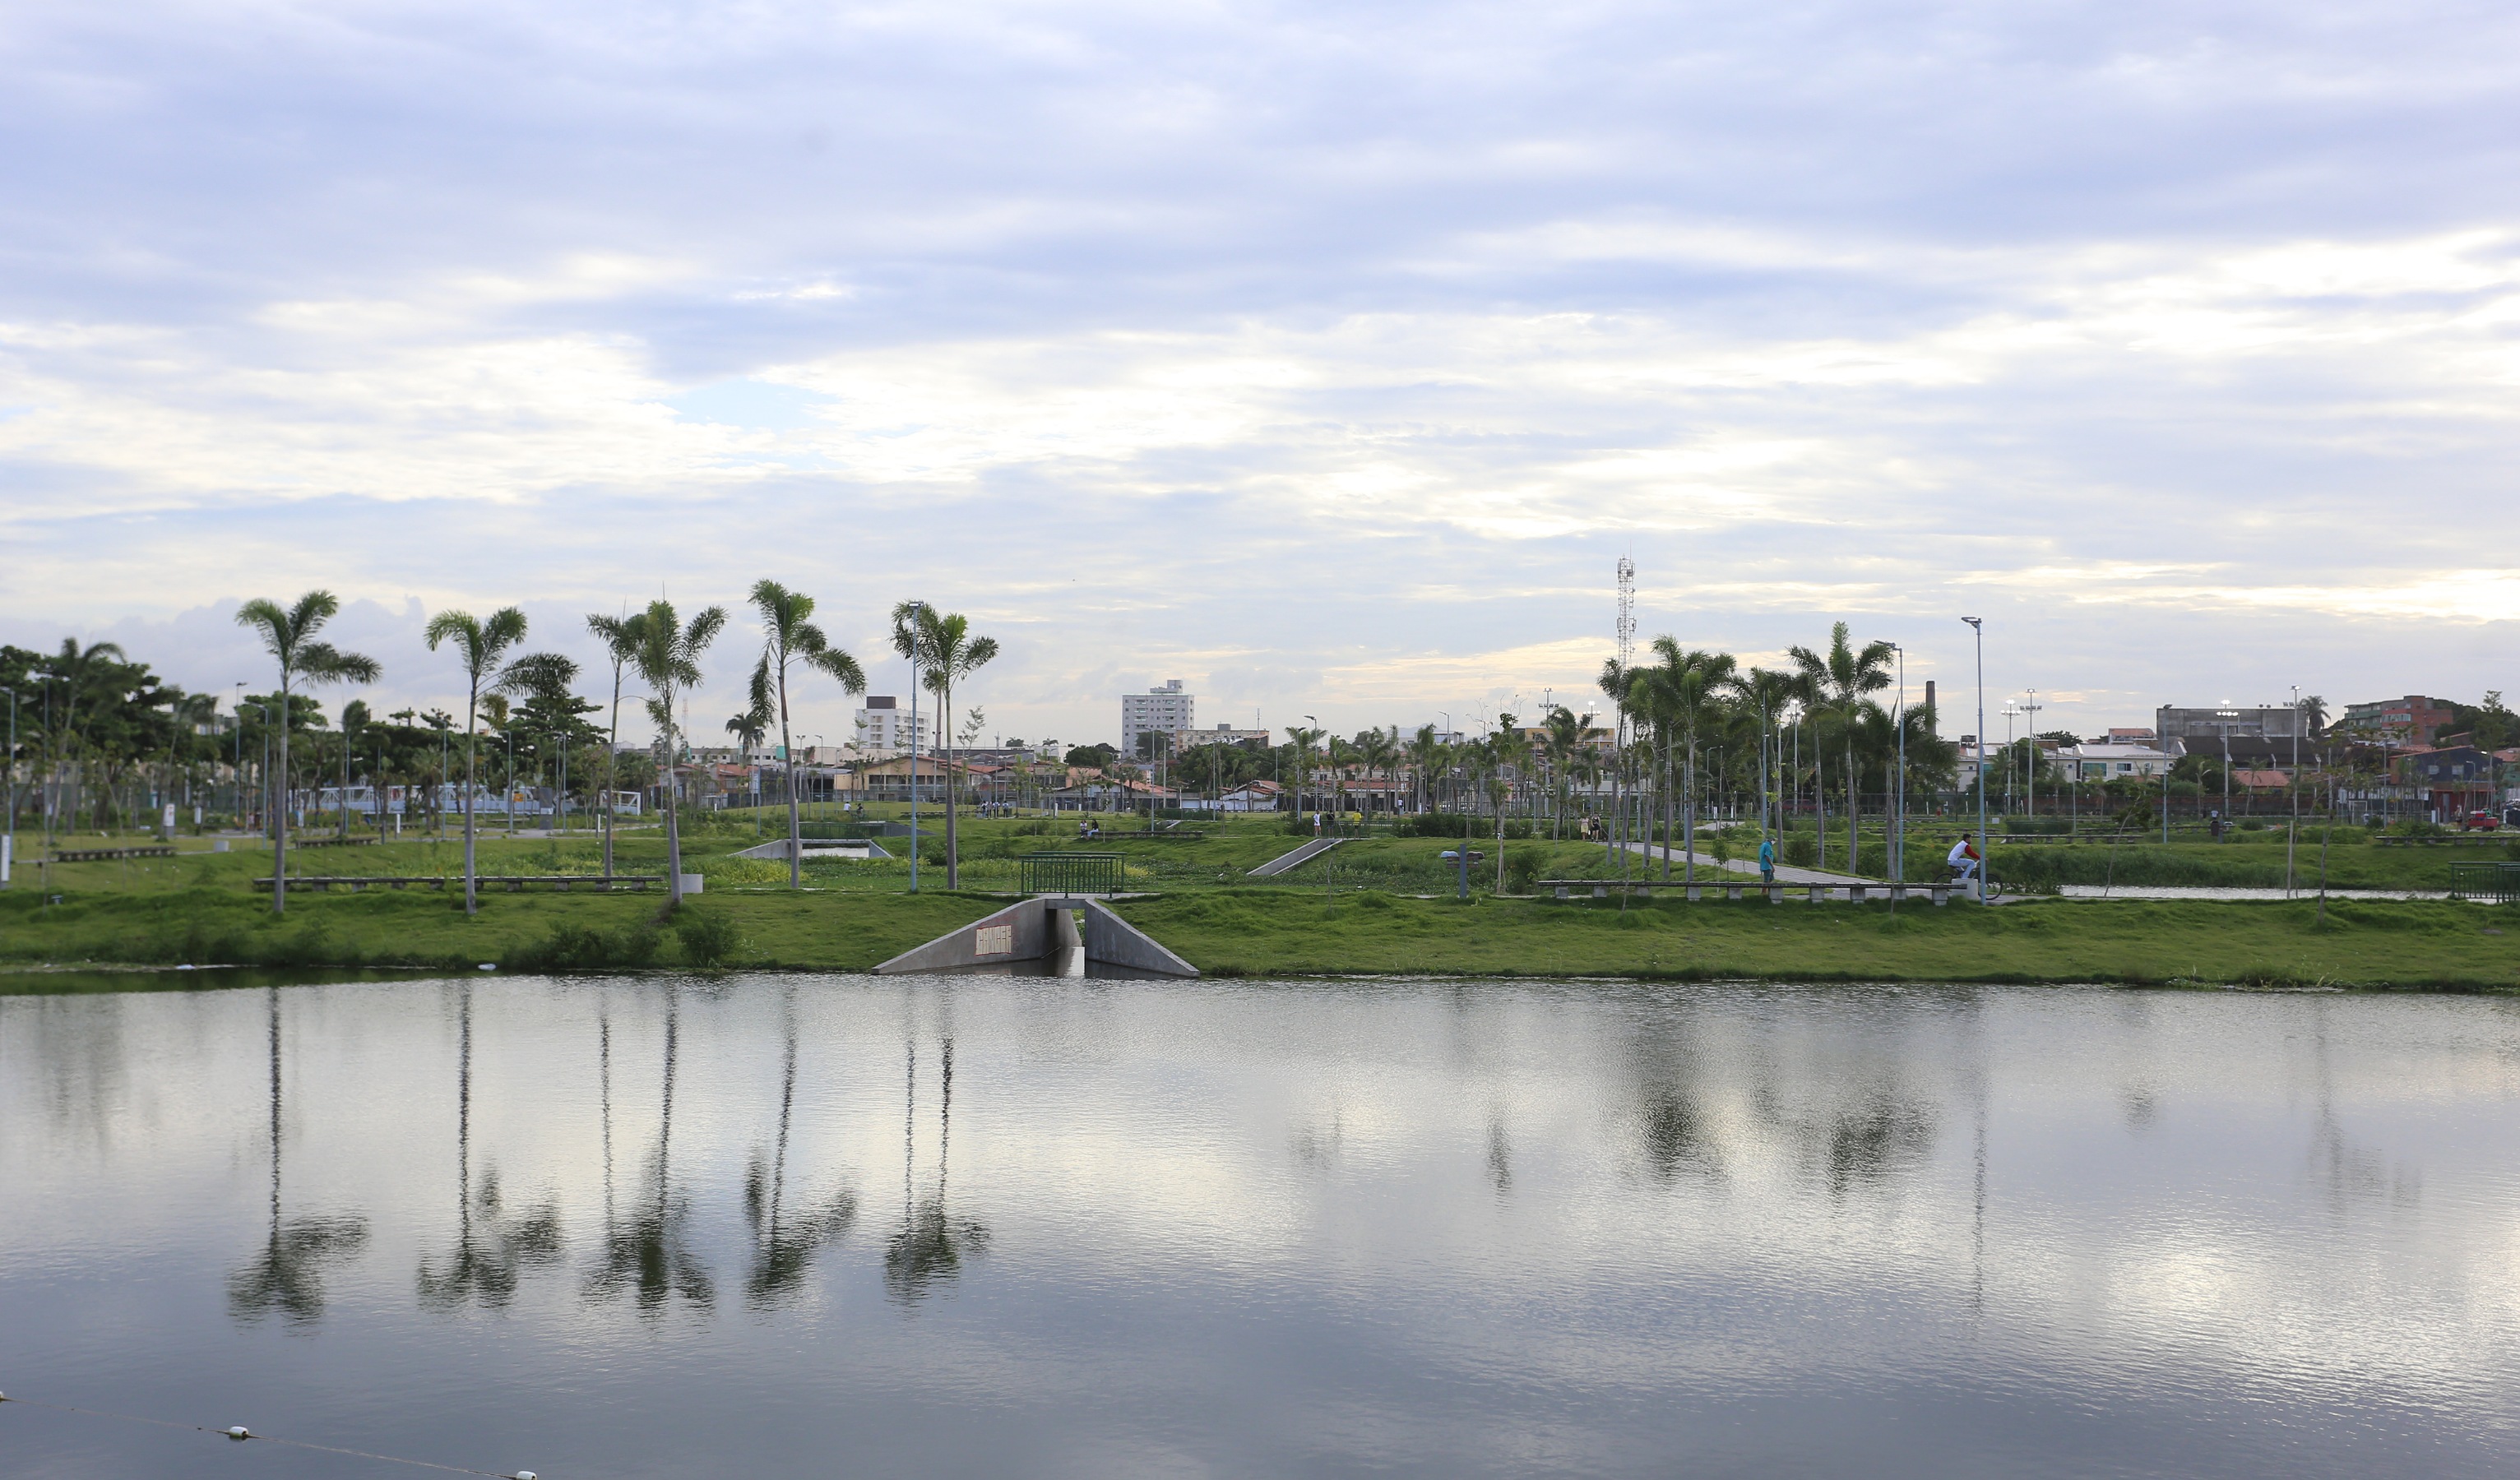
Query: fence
point(2488, 884)
point(1073, 873)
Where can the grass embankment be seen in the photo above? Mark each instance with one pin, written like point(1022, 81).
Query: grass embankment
point(1274, 932)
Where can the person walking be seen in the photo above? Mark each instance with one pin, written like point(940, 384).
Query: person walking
point(1768, 862)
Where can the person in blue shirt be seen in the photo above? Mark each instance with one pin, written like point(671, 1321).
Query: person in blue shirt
point(1767, 860)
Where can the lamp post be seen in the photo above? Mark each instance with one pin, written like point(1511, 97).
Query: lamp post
point(2225, 715)
point(1897, 849)
point(2030, 707)
point(1312, 722)
point(11, 836)
point(2011, 712)
point(918, 617)
point(2293, 785)
point(1977, 625)
point(263, 775)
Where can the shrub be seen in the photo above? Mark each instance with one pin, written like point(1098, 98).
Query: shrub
point(1801, 851)
point(583, 948)
point(709, 936)
point(1521, 867)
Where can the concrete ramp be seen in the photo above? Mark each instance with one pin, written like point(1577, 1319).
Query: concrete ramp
point(1303, 855)
point(856, 850)
point(1051, 936)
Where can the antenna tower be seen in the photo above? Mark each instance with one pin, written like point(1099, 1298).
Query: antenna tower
point(1627, 612)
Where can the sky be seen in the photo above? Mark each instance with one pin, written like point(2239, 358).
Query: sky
point(1325, 357)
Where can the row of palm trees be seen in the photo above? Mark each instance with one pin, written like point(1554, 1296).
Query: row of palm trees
point(1671, 710)
point(657, 647)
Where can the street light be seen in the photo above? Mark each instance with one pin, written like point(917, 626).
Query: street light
point(1897, 849)
point(1301, 771)
point(1977, 625)
point(2227, 714)
point(12, 837)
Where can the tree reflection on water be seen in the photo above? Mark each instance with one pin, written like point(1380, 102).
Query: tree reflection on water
point(929, 1246)
point(785, 1240)
point(492, 1248)
point(649, 1256)
point(287, 1275)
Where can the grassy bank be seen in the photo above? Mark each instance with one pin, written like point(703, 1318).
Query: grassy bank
point(1269, 932)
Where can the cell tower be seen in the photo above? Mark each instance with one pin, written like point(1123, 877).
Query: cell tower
point(1627, 612)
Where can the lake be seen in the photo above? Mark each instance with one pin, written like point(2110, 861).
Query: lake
point(792, 1226)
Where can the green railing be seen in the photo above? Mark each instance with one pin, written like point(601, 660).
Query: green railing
point(1073, 873)
point(2492, 884)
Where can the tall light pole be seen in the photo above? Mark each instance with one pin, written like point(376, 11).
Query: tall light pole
point(917, 618)
point(1977, 625)
point(2225, 715)
point(1304, 770)
point(11, 843)
point(2011, 712)
point(2030, 766)
point(1897, 849)
point(2294, 786)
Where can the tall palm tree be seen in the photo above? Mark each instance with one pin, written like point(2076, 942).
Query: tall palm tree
point(943, 652)
point(1303, 740)
point(1425, 752)
point(1689, 686)
point(480, 645)
point(789, 639)
point(1511, 749)
point(621, 637)
point(668, 659)
point(1766, 691)
point(288, 635)
point(1839, 683)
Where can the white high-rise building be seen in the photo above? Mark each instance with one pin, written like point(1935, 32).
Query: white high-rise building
point(1163, 710)
point(884, 725)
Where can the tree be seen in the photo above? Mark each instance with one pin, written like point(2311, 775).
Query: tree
point(789, 640)
point(288, 635)
point(1690, 685)
point(1304, 740)
point(668, 659)
point(943, 652)
point(546, 680)
point(1838, 683)
point(480, 645)
point(622, 637)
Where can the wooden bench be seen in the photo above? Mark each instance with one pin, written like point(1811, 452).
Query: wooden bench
point(100, 855)
point(513, 883)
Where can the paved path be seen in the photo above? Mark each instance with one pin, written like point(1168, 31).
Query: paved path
point(1786, 874)
point(1303, 855)
point(2181, 891)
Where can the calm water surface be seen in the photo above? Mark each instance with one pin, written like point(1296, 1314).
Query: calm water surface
point(841, 1226)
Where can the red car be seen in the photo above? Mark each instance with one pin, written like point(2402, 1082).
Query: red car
point(2480, 821)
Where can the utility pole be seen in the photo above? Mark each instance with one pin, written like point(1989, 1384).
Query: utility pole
point(918, 622)
point(10, 843)
point(1984, 863)
point(1897, 849)
point(2030, 707)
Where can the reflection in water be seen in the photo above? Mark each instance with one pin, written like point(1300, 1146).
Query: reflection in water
point(1271, 1227)
point(649, 1257)
point(929, 1245)
point(493, 1249)
point(287, 1275)
point(785, 1240)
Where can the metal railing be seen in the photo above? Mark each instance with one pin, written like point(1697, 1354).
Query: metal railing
point(1073, 873)
point(2488, 884)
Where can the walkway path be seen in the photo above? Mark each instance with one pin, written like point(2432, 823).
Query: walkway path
point(1786, 874)
point(1303, 855)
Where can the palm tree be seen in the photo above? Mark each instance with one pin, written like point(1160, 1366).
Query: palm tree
point(288, 637)
point(480, 645)
point(669, 658)
point(1767, 692)
point(942, 651)
point(1616, 685)
point(1425, 752)
point(1839, 683)
point(621, 637)
point(1512, 748)
point(789, 638)
point(1304, 740)
point(1689, 686)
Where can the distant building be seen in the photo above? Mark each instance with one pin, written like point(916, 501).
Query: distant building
point(1159, 711)
point(1185, 741)
point(883, 724)
point(2132, 736)
point(2411, 720)
point(2173, 727)
point(2114, 761)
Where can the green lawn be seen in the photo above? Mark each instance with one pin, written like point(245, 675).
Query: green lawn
point(1268, 932)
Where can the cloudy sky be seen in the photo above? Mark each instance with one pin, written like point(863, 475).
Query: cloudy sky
point(1326, 357)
